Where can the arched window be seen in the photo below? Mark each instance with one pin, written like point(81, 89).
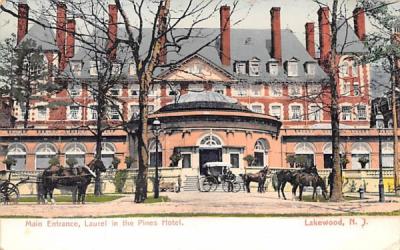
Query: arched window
point(328, 163)
point(260, 152)
point(210, 141)
point(306, 151)
point(360, 150)
point(107, 153)
point(44, 152)
point(17, 151)
point(77, 151)
point(155, 154)
point(387, 155)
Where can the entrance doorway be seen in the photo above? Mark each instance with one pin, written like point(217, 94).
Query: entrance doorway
point(209, 155)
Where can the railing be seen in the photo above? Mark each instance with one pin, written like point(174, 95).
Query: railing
point(343, 132)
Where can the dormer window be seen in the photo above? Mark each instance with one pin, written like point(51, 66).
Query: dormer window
point(76, 68)
point(310, 68)
point(93, 68)
point(254, 67)
point(273, 68)
point(132, 69)
point(116, 69)
point(292, 67)
point(240, 68)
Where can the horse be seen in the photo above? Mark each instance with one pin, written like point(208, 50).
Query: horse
point(77, 179)
point(309, 179)
point(284, 176)
point(259, 177)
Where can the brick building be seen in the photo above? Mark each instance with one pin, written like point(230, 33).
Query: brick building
point(268, 74)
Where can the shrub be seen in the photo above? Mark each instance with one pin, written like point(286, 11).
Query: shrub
point(54, 161)
point(291, 159)
point(9, 162)
point(120, 180)
point(71, 162)
point(128, 161)
point(249, 159)
point(363, 161)
point(115, 162)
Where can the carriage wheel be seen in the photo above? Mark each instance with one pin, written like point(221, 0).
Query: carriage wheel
point(214, 183)
point(10, 193)
point(205, 184)
point(236, 186)
point(225, 186)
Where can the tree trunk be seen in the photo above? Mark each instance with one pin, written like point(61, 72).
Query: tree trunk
point(99, 137)
point(142, 136)
point(26, 114)
point(395, 137)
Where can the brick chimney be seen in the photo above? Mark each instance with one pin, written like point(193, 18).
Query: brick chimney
point(359, 22)
point(60, 34)
point(70, 49)
point(225, 40)
point(162, 22)
point(23, 13)
point(310, 39)
point(324, 34)
point(112, 29)
point(276, 33)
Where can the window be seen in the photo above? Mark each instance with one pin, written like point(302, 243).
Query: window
point(76, 68)
point(116, 69)
point(260, 149)
point(240, 90)
point(220, 89)
point(361, 112)
point(154, 157)
point(240, 68)
point(115, 90)
point(107, 153)
point(41, 113)
point(354, 69)
point(273, 68)
point(76, 151)
point(44, 152)
point(294, 90)
point(234, 159)
point(314, 113)
point(276, 90)
point(344, 69)
point(346, 113)
point(114, 113)
point(210, 141)
point(134, 90)
point(310, 68)
point(150, 109)
point(17, 152)
point(254, 67)
point(256, 90)
point(74, 90)
point(276, 110)
point(292, 68)
point(295, 112)
point(186, 160)
point(195, 69)
point(196, 87)
point(357, 91)
point(257, 108)
point(132, 69)
point(93, 68)
point(346, 89)
point(134, 111)
point(93, 112)
point(387, 155)
point(73, 113)
point(314, 90)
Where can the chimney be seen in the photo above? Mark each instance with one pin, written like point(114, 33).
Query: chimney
point(310, 39)
point(276, 33)
point(324, 34)
point(162, 58)
point(112, 30)
point(60, 34)
point(70, 49)
point(225, 40)
point(359, 22)
point(23, 13)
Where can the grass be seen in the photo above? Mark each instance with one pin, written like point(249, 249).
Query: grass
point(68, 198)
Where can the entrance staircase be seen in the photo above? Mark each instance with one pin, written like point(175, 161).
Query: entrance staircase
point(191, 183)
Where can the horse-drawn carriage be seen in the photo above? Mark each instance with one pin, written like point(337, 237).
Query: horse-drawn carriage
point(218, 173)
point(9, 192)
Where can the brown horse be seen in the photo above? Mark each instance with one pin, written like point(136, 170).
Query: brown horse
point(309, 179)
point(74, 179)
point(259, 177)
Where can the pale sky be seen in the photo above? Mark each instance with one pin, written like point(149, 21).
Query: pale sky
point(255, 14)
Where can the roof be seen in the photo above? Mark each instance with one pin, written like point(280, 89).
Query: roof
point(206, 100)
point(347, 40)
point(42, 36)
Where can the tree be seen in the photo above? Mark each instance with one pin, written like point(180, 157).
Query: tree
point(24, 74)
point(384, 47)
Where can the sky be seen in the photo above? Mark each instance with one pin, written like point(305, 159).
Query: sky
point(252, 13)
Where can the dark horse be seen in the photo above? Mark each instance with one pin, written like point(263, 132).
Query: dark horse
point(284, 176)
point(259, 177)
point(306, 179)
point(66, 178)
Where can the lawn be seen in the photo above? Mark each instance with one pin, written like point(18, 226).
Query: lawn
point(68, 198)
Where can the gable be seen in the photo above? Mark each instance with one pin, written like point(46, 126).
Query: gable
point(196, 69)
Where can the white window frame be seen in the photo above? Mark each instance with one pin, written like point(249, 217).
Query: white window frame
point(116, 69)
point(273, 68)
point(132, 69)
point(74, 90)
point(134, 87)
point(133, 109)
point(116, 87)
point(346, 116)
point(93, 68)
point(356, 90)
point(291, 113)
point(113, 113)
point(276, 89)
point(295, 89)
point(346, 88)
point(76, 68)
point(78, 113)
point(365, 117)
point(292, 68)
point(315, 115)
point(271, 110)
point(240, 68)
point(258, 105)
point(311, 68)
point(40, 117)
point(240, 90)
point(92, 112)
point(254, 67)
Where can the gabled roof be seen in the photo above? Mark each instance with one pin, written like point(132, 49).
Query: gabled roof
point(347, 40)
point(43, 37)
